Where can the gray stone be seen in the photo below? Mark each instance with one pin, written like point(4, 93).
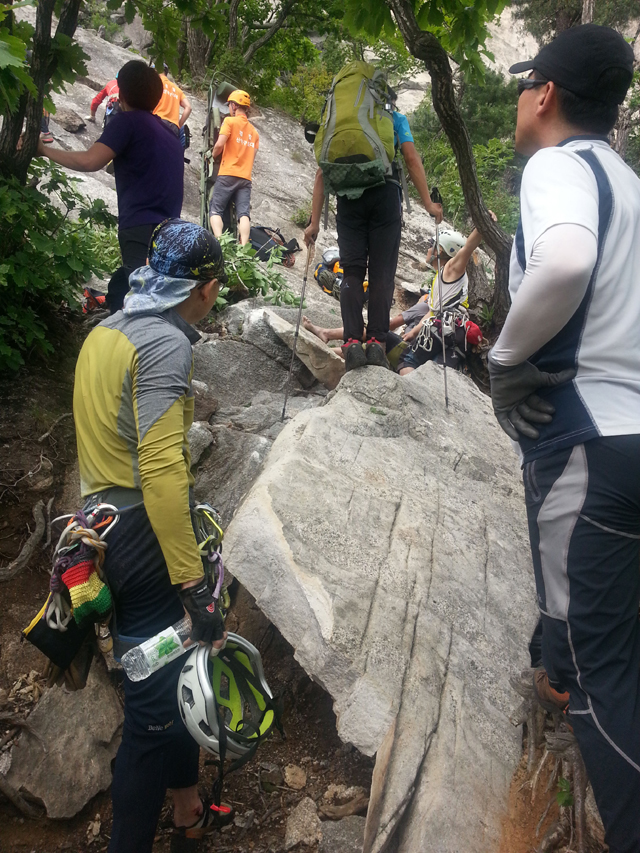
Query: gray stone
point(69, 120)
point(236, 371)
point(199, 437)
point(303, 825)
point(81, 732)
point(231, 467)
point(323, 362)
point(264, 411)
point(385, 538)
point(343, 836)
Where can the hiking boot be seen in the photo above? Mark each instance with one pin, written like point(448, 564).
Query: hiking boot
point(548, 698)
point(186, 839)
point(354, 355)
point(375, 354)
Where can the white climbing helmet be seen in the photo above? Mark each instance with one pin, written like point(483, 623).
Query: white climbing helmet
point(451, 242)
point(229, 687)
point(331, 255)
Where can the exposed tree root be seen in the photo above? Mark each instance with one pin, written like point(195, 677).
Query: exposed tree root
point(23, 558)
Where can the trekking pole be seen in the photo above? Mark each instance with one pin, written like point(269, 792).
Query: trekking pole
point(444, 354)
point(311, 250)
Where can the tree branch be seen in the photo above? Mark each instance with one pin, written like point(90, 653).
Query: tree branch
point(426, 47)
point(255, 46)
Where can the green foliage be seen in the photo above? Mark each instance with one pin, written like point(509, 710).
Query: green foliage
point(48, 235)
point(302, 215)
point(496, 172)
point(247, 273)
point(303, 93)
point(544, 19)
point(485, 316)
point(564, 797)
point(460, 28)
point(97, 15)
point(14, 75)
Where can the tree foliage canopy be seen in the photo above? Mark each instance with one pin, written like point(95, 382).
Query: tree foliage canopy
point(544, 19)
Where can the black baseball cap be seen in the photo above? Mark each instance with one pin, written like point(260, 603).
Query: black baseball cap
point(577, 59)
point(180, 249)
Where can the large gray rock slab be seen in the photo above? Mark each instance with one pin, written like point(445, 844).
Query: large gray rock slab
point(235, 371)
point(81, 732)
point(233, 463)
point(323, 362)
point(386, 539)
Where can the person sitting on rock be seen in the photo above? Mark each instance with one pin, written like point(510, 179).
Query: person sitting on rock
point(408, 318)
point(448, 292)
point(237, 143)
point(148, 165)
point(133, 406)
point(112, 93)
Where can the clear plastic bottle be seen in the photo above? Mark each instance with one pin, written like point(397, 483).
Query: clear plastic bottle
point(140, 661)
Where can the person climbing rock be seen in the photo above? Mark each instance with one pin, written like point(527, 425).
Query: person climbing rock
point(369, 228)
point(450, 286)
point(169, 108)
point(111, 93)
point(237, 145)
point(565, 384)
point(133, 406)
point(148, 165)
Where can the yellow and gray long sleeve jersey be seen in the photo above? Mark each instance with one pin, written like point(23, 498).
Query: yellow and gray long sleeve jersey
point(133, 406)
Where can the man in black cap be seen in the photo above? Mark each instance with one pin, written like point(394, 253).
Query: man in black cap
point(133, 407)
point(565, 383)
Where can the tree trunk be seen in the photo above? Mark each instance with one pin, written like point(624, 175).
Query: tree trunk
point(426, 47)
point(588, 8)
point(43, 66)
point(199, 49)
point(620, 136)
point(233, 24)
point(182, 47)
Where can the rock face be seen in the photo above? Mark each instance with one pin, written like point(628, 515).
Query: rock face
point(81, 732)
point(386, 539)
point(325, 364)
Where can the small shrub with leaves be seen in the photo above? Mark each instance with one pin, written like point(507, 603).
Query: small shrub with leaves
point(302, 215)
point(52, 239)
point(249, 276)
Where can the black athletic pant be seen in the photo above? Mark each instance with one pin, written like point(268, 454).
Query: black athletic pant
point(369, 231)
point(583, 507)
point(157, 752)
point(134, 247)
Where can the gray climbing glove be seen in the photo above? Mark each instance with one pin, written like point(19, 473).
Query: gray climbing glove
point(515, 403)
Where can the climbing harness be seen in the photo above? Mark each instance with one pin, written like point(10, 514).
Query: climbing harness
point(311, 250)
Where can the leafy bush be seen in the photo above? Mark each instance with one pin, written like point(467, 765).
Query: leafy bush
point(249, 276)
point(302, 215)
point(496, 169)
point(52, 239)
point(304, 92)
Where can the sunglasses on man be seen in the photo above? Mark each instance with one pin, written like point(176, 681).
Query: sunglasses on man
point(529, 83)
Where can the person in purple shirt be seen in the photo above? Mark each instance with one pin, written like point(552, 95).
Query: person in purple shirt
point(148, 164)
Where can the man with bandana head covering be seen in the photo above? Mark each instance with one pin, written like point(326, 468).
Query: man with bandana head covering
point(133, 407)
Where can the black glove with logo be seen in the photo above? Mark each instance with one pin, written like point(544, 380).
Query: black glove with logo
point(206, 619)
point(515, 404)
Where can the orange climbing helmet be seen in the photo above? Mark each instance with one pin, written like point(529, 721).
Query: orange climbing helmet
point(240, 97)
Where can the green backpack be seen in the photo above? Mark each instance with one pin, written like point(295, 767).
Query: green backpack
point(354, 145)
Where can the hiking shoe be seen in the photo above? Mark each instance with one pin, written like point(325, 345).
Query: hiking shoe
point(46, 137)
point(375, 354)
point(354, 355)
point(185, 839)
point(548, 698)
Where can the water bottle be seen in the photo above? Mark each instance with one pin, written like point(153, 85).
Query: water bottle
point(140, 661)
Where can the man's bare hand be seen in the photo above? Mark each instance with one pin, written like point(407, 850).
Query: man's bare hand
point(435, 210)
point(310, 234)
